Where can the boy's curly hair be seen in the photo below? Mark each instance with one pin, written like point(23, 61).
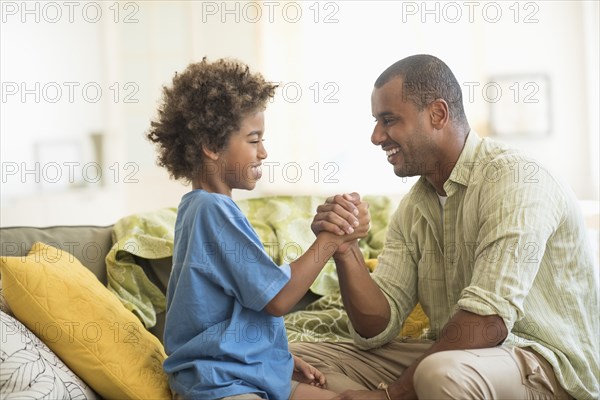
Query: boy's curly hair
point(205, 104)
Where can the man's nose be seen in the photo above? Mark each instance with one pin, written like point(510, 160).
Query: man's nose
point(378, 135)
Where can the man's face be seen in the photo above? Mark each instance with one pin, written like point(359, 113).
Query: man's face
point(402, 131)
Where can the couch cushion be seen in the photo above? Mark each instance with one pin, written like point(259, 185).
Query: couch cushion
point(85, 324)
point(89, 244)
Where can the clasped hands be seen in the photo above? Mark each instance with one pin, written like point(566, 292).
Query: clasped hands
point(346, 217)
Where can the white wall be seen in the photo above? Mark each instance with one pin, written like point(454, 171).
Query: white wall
point(326, 56)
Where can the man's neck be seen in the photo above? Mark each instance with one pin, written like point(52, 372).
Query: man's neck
point(442, 171)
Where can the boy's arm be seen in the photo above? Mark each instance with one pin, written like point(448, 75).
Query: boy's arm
point(308, 266)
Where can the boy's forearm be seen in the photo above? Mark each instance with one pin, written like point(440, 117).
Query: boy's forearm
point(367, 307)
point(304, 272)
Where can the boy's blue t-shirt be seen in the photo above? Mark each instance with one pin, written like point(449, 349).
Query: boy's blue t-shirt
point(219, 339)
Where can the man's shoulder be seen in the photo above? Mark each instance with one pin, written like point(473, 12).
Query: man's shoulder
point(493, 151)
point(497, 162)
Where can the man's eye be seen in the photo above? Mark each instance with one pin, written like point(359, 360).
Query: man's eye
point(385, 121)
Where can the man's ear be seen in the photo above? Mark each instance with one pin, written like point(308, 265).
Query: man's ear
point(213, 155)
point(440, 114)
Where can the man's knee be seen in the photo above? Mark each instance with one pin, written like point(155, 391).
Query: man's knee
point(459, 374)
point(450, 375)
point(435, 376)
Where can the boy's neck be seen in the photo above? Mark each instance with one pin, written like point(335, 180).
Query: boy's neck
point(210, 188)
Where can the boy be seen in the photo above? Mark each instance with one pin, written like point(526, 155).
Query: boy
point(224, 334)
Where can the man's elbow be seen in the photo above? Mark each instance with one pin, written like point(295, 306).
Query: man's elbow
point(494, 331)
point(502, 330)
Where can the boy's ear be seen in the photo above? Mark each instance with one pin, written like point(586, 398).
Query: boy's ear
point(210, 154)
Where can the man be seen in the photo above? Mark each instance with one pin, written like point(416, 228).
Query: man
point(488, 242)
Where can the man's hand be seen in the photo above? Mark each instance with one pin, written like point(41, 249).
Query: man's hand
point(343, 215)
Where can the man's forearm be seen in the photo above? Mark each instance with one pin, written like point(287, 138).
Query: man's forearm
point(364, 302)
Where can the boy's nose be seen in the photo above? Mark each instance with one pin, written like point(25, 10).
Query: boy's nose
point(262, 151)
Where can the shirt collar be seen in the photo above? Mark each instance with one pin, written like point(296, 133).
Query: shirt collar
point(461, 173)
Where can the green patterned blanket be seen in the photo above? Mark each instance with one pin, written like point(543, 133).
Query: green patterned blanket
point(147, 236)
point(283, 225)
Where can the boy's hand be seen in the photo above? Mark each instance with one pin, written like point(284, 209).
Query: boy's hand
point(339, 214)
point(306, 373)
point(345, 217)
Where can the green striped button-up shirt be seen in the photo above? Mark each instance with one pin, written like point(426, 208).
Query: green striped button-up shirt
point(510, 240)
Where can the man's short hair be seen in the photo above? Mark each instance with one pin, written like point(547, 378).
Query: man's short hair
point(425, 79)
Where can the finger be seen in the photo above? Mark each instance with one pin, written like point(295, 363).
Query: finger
point(325, 226)
point(354, 197)
point(364, 215)
point(345, 200)
point(342, 204)
point(319, 377)
point(330, 222)
point(350, 215)
point(337, 216)
point(322, 380)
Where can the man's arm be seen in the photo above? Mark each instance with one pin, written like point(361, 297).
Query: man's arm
point(308, 266)
point(367, 307)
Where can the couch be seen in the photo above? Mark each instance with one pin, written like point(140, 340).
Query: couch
point(83, 306)
point(77, 326)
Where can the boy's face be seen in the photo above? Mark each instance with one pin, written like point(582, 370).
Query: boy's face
point(240, 161)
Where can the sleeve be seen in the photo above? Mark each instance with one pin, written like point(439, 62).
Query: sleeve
point(517, 215)
point(396, 276)
point(233, 258)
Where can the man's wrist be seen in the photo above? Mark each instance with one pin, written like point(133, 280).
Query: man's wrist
point(348, 251)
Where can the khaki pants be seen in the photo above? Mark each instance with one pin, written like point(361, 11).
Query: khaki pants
point(496, 373)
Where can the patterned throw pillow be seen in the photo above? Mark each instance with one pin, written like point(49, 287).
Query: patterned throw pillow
point(30, 370)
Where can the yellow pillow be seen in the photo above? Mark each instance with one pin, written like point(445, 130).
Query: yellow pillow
point(416, 322)
point(69, 309)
